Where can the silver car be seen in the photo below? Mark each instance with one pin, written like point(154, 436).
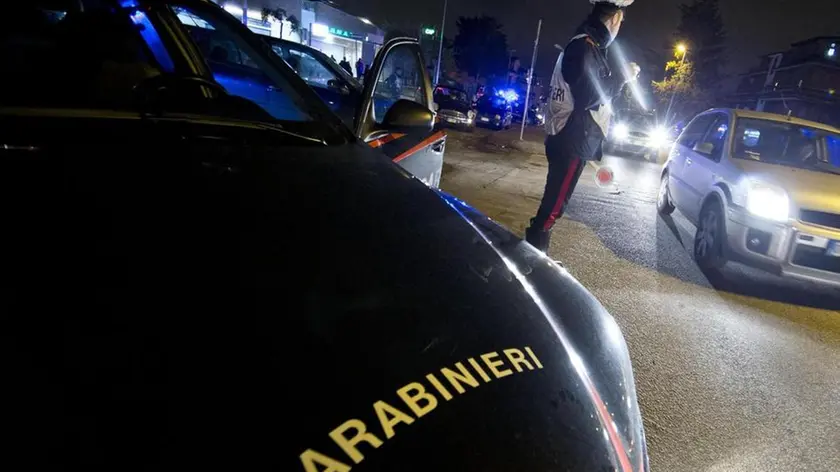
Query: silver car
point(762, 189)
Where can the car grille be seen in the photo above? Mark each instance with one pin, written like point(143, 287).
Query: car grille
point(453, 114)
point(638, 134)
point(830, 220)
point(815, 258)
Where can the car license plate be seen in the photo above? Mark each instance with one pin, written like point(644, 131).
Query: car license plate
point(833, 249)
point(485, 119)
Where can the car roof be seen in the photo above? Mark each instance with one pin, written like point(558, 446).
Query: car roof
point(741, 113)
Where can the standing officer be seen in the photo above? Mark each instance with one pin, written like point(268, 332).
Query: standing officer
point(582, 87)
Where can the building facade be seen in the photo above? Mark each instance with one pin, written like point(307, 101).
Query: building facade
point(803, 81)
point(332, 31)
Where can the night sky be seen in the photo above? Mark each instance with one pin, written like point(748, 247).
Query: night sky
point(754, 27)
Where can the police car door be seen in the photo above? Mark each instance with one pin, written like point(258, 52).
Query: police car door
point(398, 75)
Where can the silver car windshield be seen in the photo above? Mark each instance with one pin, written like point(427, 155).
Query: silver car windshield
point(787, 144)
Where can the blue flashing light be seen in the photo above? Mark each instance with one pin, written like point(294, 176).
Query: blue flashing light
point(833, 148)
point(509, 95)
point(150, 36)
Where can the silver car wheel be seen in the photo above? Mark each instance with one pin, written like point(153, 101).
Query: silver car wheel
point(663, 193)
point(708, 234)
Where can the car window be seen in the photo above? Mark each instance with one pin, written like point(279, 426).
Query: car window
point(717, 134)
point(309, 69)
point(492, 101)
point(236, 67)
point(695, 131)
point(787, 144)
point(400, 79)
point(66, 54)
point(451, 93)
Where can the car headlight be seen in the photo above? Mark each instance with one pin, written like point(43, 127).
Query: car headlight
point(620, 131)
point(763, 200)
point(658, 137)
point(498, 117)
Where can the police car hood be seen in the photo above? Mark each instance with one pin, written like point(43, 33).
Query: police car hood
point(201, 297)
point(437, 340)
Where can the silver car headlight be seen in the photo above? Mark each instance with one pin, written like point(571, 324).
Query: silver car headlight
point(658, 137)
point(763, 200)
point(621, 132)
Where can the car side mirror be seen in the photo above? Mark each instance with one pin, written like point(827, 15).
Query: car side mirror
point(408, 115)
point(341, 87)
point(704, 148)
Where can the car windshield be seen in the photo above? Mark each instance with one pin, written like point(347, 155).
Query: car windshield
point(311, 65)
point(492, 101)
point(451, 93)
point(99, 54)
point(787, 144)
point(640, 122)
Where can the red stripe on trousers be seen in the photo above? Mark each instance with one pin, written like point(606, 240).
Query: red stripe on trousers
point(561, 196)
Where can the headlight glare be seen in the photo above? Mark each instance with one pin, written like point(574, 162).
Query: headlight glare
point(621, 132)
point(767, 201)
point(658, 137)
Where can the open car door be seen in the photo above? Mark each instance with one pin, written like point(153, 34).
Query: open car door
point(397, 98)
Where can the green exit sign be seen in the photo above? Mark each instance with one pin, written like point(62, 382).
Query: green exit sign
point(340, 32)
point(429, 31)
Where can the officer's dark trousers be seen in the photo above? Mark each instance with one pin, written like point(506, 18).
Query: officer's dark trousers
point(564, 170)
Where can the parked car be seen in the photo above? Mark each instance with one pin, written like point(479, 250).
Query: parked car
point(189, 274)
point(339, 90)
point(454, 108)
point(536, 116)
point(343, 94)
point(763, 189)
point(494, 111)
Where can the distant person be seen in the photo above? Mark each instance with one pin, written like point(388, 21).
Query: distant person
point(578, 111)
point(395, 82)
point(333, 58)
point(360, 69)
point(346, 65)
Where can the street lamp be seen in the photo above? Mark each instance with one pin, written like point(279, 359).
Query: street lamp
point(683, 50)
point(440, 48)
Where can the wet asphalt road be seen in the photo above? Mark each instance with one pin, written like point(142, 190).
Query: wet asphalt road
point(735, 371)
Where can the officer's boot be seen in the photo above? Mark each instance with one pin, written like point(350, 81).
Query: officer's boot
point(537, 237)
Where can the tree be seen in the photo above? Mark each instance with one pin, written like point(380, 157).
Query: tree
point(691, 81)
point(701, 29)
point(279, 14)
point(679, 87)
point(480, 47)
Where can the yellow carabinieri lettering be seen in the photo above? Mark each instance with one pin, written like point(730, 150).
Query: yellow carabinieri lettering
point(353, 433)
